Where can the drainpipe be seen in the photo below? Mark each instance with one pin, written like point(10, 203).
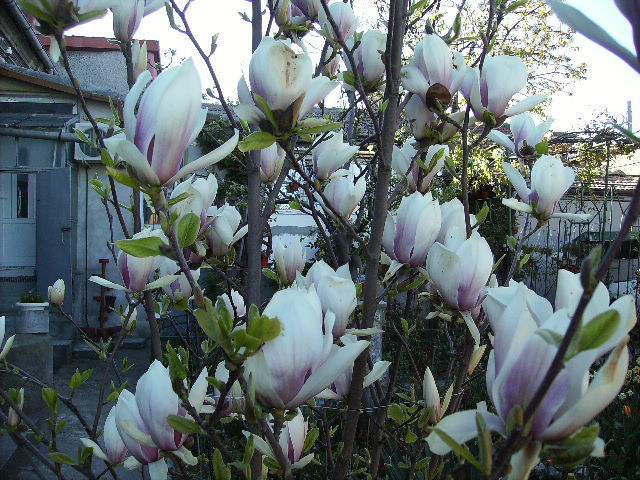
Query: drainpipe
point(27, 31)
point(44, 135)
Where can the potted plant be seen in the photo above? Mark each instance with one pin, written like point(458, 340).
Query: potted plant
point(34, 317)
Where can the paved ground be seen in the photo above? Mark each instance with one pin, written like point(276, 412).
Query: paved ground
point(86, 399)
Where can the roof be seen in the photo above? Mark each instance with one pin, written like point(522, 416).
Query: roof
point(55, 82)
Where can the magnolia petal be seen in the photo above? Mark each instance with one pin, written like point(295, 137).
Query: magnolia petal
point(598, 448)
point(161, 282)
point(97, 451)
point(207, 160)
point(601, 392)
point(517, 180)
point(131, 463)
point(199, 390)
point(134, 432)
point(501, 139)
point(319, 87)
point(131, 101)
point(130, 154)
point(393, 269)
point(262, 446)
point(303, 462)
point(525, 105)
point(443, 267)
point(106, 283)
point(249, 113)
point(240, 233)
point(186, 456)
point(158, 470)
point(7, 347)
point(581, 23)
point(516, 205)
point(461, 426)
point(574, 217)
point(378, 370)
point(328, 372)
point(473, 328)
point(329, 394)
point(524, 461)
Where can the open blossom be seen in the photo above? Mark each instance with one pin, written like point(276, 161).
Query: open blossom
point(238, 306)
point(550, 179)
point(526, 135)
point(336, 291)
point(368, 59)
point(331, 154)
point(223, 230)
point(201, 195)
point(431, 68)
point(179, 289)
point(411, 232)
point(169, 118)
point(491, 90)
point(343, 195)
point(141, 419)
point(115, 451)
point(404, 163)
point(426, 125)
point(460, 271)
point(291, 440)
point(234, 399)
point(271, 161)
point(453, 228)
point(289, 260)
point(345, 20)
point(340, 388)
point(521, 357)
point(127, 15)
point(56, 292)
point(300, 362)
point(281, 77)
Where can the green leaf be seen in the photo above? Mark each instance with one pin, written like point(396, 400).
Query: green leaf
point(50, 398)
point(598, 331)
point(106, 158)
point(141, 247)
point(542, 148)
point(295, 205)
point(549, 336)
point(396, 413)
point(417, 6)
point(121, 177)
point(176, 367)
point(249, 448)
point(29, 7)
point(264, 328)
point(81, 135)
point(483, 213)
point(188, 229)
point(320, 128)
point(515, 5)
point(485, 447)
point(220, 470)
point(183, 424)
point(179, 198)
point(524, 260)
point(62, 458)
point(349, 78)
point(410, 437)
point(573, 450)
point(243, 339)
point(311, 438)
point(256, 141)
point(78, 378)
point(460, 450)
point(262, 104)
point(270, 274)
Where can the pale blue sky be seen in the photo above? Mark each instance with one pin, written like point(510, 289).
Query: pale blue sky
point(609, 84)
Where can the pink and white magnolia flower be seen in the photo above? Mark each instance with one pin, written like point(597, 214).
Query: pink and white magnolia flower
point(223, 230)
point(550, 180)
point(432, 64)
point(336, 290)
point(139, 58)
point(127, 15)
point(179, 289)
point(289, 260)
point(115, 451)
point(137, 272)
point(411, 232)
point(169, 118)
point(368, 59)
point(281, 77)
point(491, 90)
point(339, 389)
point(202, 193)
point(526, 135)
point(300, 362)
point(234, 401)
point(238, 307)
point(7, 346)
point(521, 357)
point(345, 19)
point(291, 441)
point(331, 154)
point(141, 419)
point(271, 161)
point(343, 195)
point(460, 270)
point(432, 397)
point(453, 228)
point(404, 163)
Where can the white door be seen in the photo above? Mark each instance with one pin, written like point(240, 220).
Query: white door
point(17, 223)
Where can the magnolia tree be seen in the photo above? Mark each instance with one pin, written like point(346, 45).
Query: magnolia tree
point(287, 386)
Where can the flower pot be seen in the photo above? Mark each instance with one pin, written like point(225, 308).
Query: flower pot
point(33, 318)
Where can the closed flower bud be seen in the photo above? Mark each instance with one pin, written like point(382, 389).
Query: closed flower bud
point(223, 231)
point(368, 59)
point(330, 155)
point(56, 293)
point(344, 196)
point(271, 161)
point(289, 260)
point(344, 19)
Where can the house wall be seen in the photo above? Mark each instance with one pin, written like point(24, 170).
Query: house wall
point(90, 67)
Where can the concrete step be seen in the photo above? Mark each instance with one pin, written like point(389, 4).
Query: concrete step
point(62, 352)
point(82, 350)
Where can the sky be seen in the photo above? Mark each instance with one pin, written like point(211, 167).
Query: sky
point(609, 85)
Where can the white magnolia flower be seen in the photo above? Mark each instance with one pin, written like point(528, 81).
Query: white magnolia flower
point(526, 135)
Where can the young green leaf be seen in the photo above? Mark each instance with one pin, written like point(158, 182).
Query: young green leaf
point(188, 229)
